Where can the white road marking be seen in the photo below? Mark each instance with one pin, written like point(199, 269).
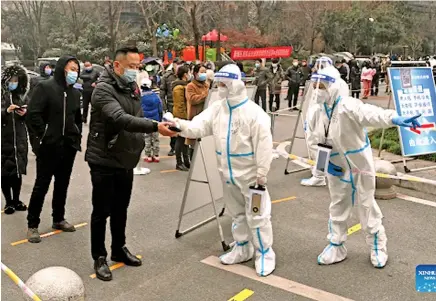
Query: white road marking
point(275, 281)
point(415, 200)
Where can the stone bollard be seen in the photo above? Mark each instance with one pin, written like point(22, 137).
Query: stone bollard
point(56, 284)
point(383, 186)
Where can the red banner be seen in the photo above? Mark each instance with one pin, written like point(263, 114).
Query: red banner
point(260, 53)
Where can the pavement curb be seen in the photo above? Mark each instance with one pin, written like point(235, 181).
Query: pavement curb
point(419, 186)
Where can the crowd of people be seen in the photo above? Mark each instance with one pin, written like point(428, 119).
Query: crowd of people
point(126, 119)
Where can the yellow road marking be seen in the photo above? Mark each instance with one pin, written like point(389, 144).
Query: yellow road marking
point(47, 234)
point(245, 294)
point(114, 267)
point(284, 199)
point(354, 229)
point(168, 171)
point(275, 281)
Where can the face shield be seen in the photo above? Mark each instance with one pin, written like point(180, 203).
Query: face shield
point(322, 63)
point(229, 82)
point(326, 86)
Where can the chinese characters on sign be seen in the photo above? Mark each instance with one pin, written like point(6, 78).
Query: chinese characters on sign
point(414, 93)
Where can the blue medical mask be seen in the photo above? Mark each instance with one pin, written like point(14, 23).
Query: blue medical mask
point(257, 65)
point(47, 71)
point(88, 69)
point(202, 77)
point(130, 75)
point(12, 86)
point(71, 77)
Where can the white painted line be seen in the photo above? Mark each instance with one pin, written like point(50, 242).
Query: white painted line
point(275, 281)
point(415, 200)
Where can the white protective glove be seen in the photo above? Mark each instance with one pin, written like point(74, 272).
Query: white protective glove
point(261, 181)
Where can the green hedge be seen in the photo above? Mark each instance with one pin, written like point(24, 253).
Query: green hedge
point(391, 143)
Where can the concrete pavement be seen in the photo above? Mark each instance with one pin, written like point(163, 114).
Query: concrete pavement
point(172, 268)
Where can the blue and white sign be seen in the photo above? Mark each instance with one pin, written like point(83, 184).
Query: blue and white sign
point(414, 93)
point(425, 278)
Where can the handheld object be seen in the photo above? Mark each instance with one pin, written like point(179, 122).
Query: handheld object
point(257, 199)
point(323, 157)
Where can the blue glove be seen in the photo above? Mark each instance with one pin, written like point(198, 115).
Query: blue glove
point(407, 121)
point(335, 170)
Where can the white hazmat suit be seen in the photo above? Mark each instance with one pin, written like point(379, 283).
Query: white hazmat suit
point(352, 152)
point(243, 142)
point(312, 113)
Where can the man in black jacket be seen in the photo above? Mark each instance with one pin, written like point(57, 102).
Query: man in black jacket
point(115, 143)
point(294, 75)
point(54, 119)
point(89, 77)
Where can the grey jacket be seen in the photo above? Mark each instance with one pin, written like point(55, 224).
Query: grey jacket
point(166, 90)
point(275, 84)
point(263, 78)
point(294, 75)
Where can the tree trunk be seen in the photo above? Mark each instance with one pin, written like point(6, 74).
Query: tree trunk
point(218, 50)
point(154, 44)
point(195, 29)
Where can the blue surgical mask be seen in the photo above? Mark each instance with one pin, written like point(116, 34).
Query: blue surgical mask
point(257, 65)
point(130, 75)
point(202, 77)
point(71, 77)
point(12, 86)
point(47, 71)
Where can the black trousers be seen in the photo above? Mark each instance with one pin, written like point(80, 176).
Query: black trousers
point(173, 139)
point(58, 163)
point(182, 150)
point(86, 102)
point(374, 86)
point(355, 94)
point(111, 191)
point(262, 95)
point(11, 184)
point(277, 100)
point(293, 95)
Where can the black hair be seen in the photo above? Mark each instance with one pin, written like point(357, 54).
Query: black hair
point(275, 61)
point(258, 60)
point(125, 50)
point(197, 68)
point(241, 67)
point(181, 71)
point(343, 61)
point(337, 62)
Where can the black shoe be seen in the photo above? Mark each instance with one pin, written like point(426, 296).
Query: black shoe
point(181, 167)
point(64, 226)
point(9, 209)
point(126, 257)
point(186, 162)
point(102, 270)
point(20, 206)
point(172, 153)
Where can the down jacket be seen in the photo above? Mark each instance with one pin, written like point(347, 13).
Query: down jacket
point(14, 144)
point(117, 124)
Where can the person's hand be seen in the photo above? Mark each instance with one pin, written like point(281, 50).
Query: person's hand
point(335, 170)
point(411, 122)
point(261, 181)
point(11, 108)
point(163, 129)
point(93, 85)
point(21, 111)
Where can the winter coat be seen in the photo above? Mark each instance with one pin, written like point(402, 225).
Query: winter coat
point(88, 78)
point(275, 84)
point(117, 124)
point(14, 145)
point(367, 74)
point(355, 79)
point(166, 90)
point(196, 94)
point(179, 97)
point(262, 78)
point(295, 76)
point(53, 115)
point(306, 73)
point(151, 105)
point(36, 80)
point(343, 72)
